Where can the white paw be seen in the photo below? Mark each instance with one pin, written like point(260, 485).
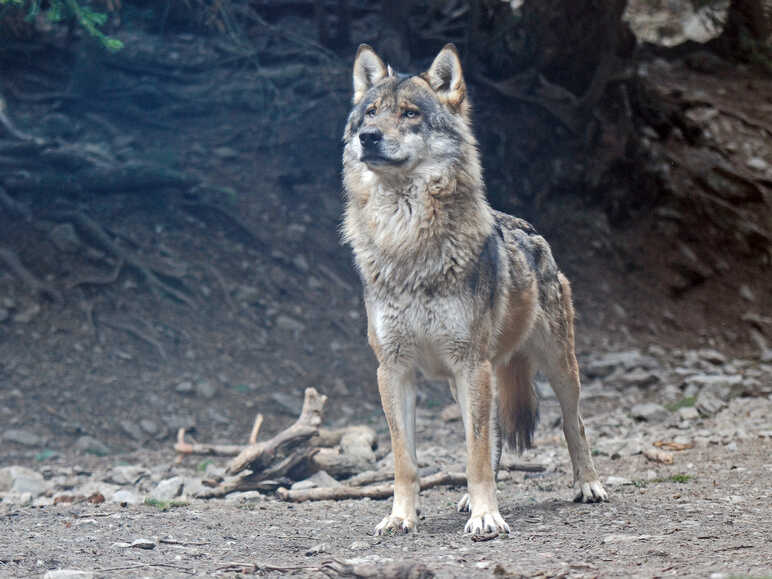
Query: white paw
point(591, 492)
point(490, 522)
point(392, 524)
point(465, 504)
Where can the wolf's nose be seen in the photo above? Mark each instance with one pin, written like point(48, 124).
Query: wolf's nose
point(370, 137)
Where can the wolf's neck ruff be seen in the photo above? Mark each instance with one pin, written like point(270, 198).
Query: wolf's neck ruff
point(421, 234)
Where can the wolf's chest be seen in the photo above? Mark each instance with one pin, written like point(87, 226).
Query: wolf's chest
point(427, 331)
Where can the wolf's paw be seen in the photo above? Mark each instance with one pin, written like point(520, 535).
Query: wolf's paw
point(490, 522)
point(392, 524)
point(465, 504)
point(591, 492)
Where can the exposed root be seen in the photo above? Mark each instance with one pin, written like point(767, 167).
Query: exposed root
point(134, 331)
point(24, 275)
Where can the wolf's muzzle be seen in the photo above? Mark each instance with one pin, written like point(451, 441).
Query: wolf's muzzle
point(370, 139)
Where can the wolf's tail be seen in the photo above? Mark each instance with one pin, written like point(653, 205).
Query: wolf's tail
point(518, 403)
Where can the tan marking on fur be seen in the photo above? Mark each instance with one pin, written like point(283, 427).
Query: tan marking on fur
point(520, 316)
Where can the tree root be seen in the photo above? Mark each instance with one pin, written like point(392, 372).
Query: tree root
point(24, 275)
point(134, 331)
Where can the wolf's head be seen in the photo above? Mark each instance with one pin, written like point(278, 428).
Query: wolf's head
point(403, 124)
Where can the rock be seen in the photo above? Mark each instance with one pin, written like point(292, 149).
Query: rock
point(712, 356)
point(247, 294)
point(604, 365)
point(451, 413)
point(624, 538)
point(318, 550)
point(126, 496)
point(613, 481)
point(90, 445)
point(708, 403)
point(168, 489)
point(4, 315)
point(131, 429)
point(68, 574)
point(129, 474)
point(206, 389)
point(148, 426)
point(757, 163)
point(359, 545)
point(747, 294)
point(20, 480)
point(26, 316)
point(65, 238)
point(23, 437)
point(688, 413)
point(640, 377)
point(225, 153)
point(650, 412)
point(289, 324)
point(143, 544)
point(720, 385)
point(185, 387)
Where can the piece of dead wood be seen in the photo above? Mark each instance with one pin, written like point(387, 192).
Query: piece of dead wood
point(257, 457)
point(183, 447)
point(656, 455)
point(383, 491)
point(24, 275)
point(397, 570)
point(672, 445)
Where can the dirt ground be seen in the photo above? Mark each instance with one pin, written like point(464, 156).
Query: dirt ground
point(673, 306)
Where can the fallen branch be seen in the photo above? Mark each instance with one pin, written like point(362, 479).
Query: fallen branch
point(256, 457)
point(373, 492)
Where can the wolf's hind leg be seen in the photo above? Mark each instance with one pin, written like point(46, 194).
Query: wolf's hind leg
point(562, 370)
point(398, 397)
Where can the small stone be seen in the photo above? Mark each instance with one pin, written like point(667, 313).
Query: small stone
point(225, 153)
point(688, 413)
point(206, 389)
point(287, 323)
point(185, 387)
point(131, 429)
point(120, 545)
point(68, 574)
point(757, 163)
point(359, 545)
point(148, 426)
point(168, 489)
point(613, 481)
point(640, 377)
point(708, 403)
point(126, 496)
point(65, 238)
point(318, 550)
point(747, 294)
point(20, 479)
point(451, 413)
point(26, 316)
point(300, 262)
point(247, 294)
point(650, 412)
point(90, 445)
point(143, 544)
point(712, 356)
point(624, 538)
point(128, 474)
point(23, 437)
point(4, 315)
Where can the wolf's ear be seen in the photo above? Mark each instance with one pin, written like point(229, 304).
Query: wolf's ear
point(368, 69)
point(446, 78)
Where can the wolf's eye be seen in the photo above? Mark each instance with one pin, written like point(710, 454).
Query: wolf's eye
point(410, 114)
point(370, 112)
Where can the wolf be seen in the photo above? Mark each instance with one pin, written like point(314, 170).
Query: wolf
point(452, 288)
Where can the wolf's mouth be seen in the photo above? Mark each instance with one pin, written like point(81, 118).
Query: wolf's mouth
point(376, 159)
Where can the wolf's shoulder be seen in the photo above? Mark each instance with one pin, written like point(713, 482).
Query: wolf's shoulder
point(524, 245)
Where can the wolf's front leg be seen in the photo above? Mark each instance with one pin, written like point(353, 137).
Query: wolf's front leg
point(475, 390)
point(398, 395)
